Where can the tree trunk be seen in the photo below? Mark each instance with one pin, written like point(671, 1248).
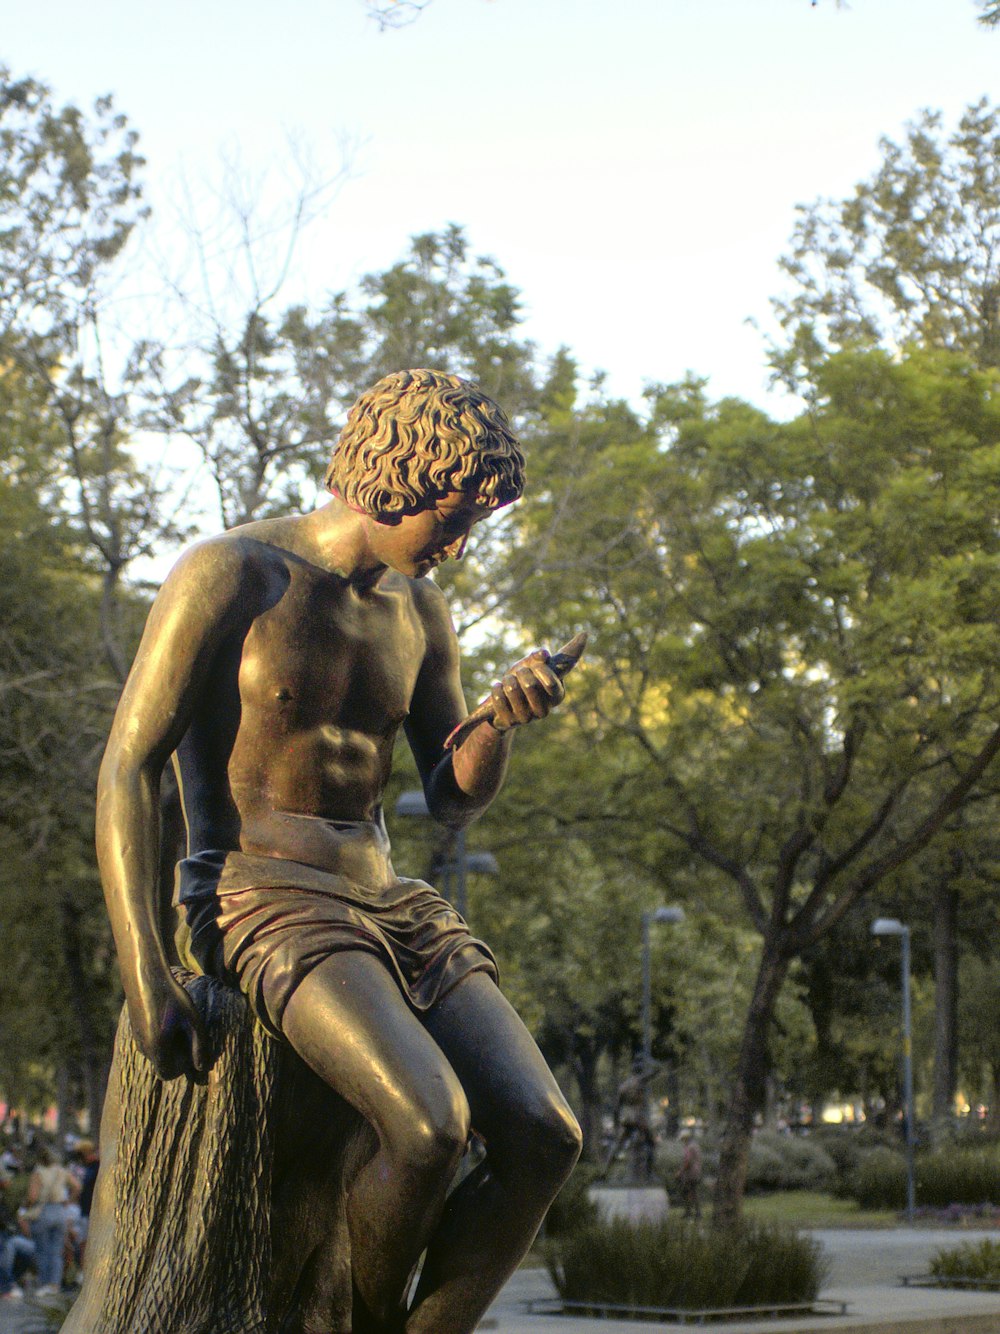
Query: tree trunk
point(94, 1060)
point(748, 1087)
point(945, 1008)
point(65, 1122)
point(585, 1070)
point(993, 1116)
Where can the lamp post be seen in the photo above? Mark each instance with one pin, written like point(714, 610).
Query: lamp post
point(413, 804)
point(673, 914)
point(889, 926)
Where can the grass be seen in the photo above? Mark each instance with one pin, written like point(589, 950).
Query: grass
point(809, 1208)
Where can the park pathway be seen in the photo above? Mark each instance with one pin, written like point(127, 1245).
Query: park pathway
point(865, 1269)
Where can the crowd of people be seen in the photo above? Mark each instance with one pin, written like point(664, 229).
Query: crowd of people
point(45, 1198)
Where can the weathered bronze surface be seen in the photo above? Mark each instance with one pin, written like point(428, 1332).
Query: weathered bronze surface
point(278, 663)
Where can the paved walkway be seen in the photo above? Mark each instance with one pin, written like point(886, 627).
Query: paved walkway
point(865, 1267)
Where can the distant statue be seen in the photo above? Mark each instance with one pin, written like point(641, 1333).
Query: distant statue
point(278, 663)
point(632, 1131)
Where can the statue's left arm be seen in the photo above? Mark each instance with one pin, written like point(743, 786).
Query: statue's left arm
point(460, 784)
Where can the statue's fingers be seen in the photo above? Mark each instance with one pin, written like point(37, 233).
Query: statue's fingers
point(200, 1055)
point(517, 700)
point(503, 715)
point(538, 690)
point(540, 679)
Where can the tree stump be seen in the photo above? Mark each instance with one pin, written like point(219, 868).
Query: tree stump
point(220, 1206)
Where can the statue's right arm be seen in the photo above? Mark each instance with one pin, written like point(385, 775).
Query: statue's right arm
point(192, 615)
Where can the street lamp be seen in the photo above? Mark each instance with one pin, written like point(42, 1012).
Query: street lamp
point(889, 926)
point(672, 914)
point(413, 804)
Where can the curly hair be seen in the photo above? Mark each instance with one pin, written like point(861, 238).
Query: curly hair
point(415, 436)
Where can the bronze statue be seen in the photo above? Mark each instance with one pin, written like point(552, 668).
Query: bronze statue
point(278, 663)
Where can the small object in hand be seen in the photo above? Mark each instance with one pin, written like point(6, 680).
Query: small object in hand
point(562, 662)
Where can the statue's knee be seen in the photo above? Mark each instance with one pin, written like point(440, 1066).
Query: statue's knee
point(435, 1136)
point(549, 1144)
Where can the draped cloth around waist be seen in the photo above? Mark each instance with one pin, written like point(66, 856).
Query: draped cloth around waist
point(262, 923)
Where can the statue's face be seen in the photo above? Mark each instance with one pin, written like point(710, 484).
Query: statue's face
point(419, 542)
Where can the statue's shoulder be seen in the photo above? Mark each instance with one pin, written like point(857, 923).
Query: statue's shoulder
point(222, 570)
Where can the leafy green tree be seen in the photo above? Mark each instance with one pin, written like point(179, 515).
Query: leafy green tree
point(59, 986)
point(910, 256)
point(794, 658)
point(70, 199)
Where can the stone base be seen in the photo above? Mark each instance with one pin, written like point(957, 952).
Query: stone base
point(645, 1203)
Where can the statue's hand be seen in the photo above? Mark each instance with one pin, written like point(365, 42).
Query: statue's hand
point(169, 1030)
point(530, 690)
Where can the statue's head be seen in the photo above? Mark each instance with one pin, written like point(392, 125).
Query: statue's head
point(419, 435)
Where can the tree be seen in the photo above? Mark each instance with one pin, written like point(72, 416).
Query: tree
point(70, 199)
point(395, 13)
point(77, 508)
point(58, 992)
point(911, 256)
point(264, 410)
point(794, 660)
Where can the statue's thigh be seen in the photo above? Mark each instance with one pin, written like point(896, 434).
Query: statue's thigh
point(347, 1020)
point(514, 1100)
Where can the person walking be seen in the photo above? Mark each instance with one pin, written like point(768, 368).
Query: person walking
point(689, 1176)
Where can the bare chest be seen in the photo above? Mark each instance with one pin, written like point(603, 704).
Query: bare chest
point(323, 654)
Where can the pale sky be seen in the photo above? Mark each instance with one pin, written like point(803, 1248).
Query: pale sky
point(633, 166)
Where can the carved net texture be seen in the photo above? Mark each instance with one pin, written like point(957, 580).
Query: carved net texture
point(192, 1251)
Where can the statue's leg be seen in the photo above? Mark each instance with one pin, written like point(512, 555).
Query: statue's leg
point(347, 1019)
point(532, 1141)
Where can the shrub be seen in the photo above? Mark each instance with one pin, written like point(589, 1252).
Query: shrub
point(879, 1182)
point(959, 1176)
point(789, 1162)
point(949, 1176)
point(680, 1266)
point(980, 1261)
point(573, 1208)
point(844, 1147)
point(765, 1169)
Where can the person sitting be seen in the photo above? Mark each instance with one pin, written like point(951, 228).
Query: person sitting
point(50, 1188)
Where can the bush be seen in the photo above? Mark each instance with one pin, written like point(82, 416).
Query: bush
point(968, 1261)
point(845, 1148)
point(949, 1176)
point(573, 1208)
point(679, 1266)
point(959, 1176)
point(879, 1182)
point(789, 1162)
